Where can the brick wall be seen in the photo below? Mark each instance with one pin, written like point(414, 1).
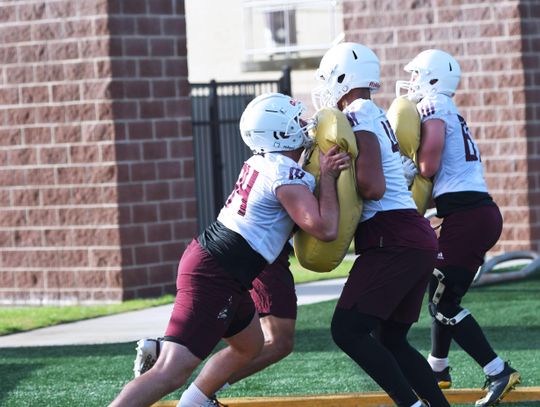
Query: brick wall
point(530, 31)
point(497, 46)
point(96, 183)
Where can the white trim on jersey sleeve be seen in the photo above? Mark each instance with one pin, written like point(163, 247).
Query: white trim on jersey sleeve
point(361, 113)
point(436, 107)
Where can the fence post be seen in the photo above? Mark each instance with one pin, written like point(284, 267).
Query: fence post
point(285, 81)
point(217, 165)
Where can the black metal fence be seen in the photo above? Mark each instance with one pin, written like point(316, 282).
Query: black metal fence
point(219, 149)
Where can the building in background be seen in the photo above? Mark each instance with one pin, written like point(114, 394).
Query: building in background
point(98, 193)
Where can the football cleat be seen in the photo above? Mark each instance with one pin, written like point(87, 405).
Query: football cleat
point(498, 386)
point(147, 354)
point(214, 402)
point(444, 380)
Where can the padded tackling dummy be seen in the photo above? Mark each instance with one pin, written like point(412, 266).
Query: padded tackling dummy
point(405, 122)
point(313, 254)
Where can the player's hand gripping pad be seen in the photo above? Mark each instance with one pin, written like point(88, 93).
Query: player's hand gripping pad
point(332, 128)
point(405, 122)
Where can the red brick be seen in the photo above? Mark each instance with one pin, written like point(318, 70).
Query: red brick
point(57, 237)
point(161, 274)
point(91, 279)
point(95, 237)
point(105, 258)
point(7, 279)
point(84, 154)
point(10, 137)
point(78, 28)
point(61, 279)
point(9, 96)
point(8, 55)
point(68, 133)
point(13, 218)
point(159, 233)
point(147, 255)
point(92, 132)
point(157, 191)
point(54, 155)
point(25, 197)
point(75, 71)
point(27, 238)
point(144, 213)
point(135, 277)
point(134, 47)
point(29, 279)
point(171, 253)
point(42, 217)
point(171, 170)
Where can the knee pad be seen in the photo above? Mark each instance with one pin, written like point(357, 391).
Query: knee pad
point(446, 289)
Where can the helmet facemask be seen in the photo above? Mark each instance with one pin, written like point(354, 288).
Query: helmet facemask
point(432, 72)
point(272, 122)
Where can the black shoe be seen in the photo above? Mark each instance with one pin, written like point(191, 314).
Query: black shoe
point(443, 378)
point(499, 385)
point(214, 402)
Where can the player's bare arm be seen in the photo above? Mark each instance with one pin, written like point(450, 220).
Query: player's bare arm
point(431, 147)
point(369, 171)
point(317, 216)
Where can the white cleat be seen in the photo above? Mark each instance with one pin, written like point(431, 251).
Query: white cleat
point(147, 354)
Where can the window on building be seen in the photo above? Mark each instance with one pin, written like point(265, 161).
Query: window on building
point(293, 32)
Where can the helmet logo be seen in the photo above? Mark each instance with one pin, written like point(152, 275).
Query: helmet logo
point(374, 85)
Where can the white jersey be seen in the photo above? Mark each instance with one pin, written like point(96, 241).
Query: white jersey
point(461, 167)
point(253, 209)
point(364, 115)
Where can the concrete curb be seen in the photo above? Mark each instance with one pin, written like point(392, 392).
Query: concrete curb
point(368, 399)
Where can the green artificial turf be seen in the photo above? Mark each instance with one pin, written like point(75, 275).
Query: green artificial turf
point(92, 375)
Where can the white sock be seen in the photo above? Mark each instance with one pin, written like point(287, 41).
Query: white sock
point(494, 367)
point(192, 397)
point(225, 386)
point(417, 404)
point(437, 364)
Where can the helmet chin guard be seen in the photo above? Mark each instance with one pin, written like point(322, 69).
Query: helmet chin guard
point(272, 122)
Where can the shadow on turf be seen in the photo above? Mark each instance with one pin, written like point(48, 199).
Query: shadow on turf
point(501, 338)
point(12, 374)
point(39, 352)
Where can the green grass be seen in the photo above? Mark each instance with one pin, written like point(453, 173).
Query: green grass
point(18, 319)
point(302, 275)
point(93, 375)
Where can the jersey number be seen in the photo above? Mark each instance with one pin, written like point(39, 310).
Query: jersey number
point(243, 188)
point(391, 136)
point(471, 154)
point(387, 129)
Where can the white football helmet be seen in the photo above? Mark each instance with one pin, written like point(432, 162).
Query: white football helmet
point(432, 71)
point(271, 122)
point(345, 66)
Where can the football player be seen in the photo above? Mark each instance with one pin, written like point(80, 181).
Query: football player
point(472, 222)
point(383, 294)
point(217, 268)
point(274, 296)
